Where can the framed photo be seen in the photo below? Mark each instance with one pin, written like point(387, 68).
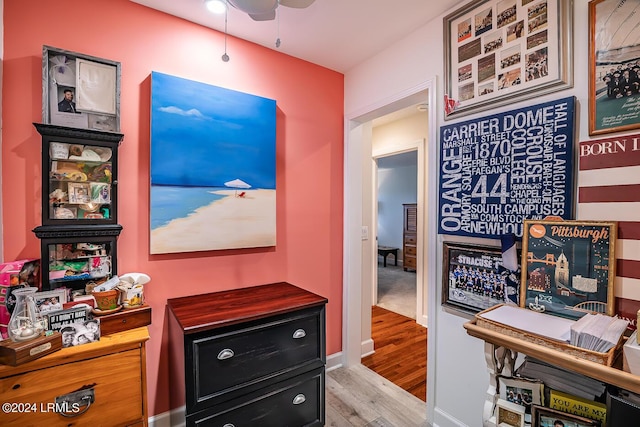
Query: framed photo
point(509, 414)
point(546, 417)
point(501, 51)
point(568, 267)
point(79, 192)
point(614, 66)
point(80, 91)
point(521, 391)
point(50, 301)
point(472, 277)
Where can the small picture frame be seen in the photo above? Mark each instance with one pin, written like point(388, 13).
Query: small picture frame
point(79, 192)
point(472, 278)
point(521, 391)
point(547, 417)
point(80, 91)
point(509, 414)
point(568, 267)
point(50, 301)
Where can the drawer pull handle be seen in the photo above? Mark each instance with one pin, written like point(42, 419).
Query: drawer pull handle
point(227, 353)
point(228, 425)
point(299, 333)
point(69, 404)
point(299, 399)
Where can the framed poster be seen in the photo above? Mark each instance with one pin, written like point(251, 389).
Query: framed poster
point(80, 91)
point(614, 66)
point(568, 267)
point(472, 279)
point(501, 51)
point(496, 171)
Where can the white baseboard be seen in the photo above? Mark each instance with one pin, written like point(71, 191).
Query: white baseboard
point(366, 348)
point(444, 419)
point(172, 418)
point(334, 361)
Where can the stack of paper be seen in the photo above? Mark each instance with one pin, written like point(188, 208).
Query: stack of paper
point(597, 332)
point(552, 327)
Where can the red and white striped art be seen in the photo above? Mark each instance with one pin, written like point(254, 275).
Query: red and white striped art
point(609, 190)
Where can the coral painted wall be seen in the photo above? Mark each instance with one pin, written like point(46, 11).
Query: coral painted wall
point(309, 153)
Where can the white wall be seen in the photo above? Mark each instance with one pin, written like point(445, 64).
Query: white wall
point(457, 377)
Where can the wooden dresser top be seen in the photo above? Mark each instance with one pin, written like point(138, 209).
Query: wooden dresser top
point(198, 313)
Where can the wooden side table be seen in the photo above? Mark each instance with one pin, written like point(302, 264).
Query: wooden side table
point(386, 250)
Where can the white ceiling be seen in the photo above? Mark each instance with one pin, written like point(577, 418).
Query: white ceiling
point(336, 34)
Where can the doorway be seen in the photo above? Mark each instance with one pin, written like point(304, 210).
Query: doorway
point(396, 194)
point(359, 251)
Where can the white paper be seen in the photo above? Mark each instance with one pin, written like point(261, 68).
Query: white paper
point(553, 327)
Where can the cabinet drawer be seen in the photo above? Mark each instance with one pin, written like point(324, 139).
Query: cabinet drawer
point(296, 402)
point(226, 363)
point(409, 262)
point(116, 380)
point(410, 250)
point(410, 239)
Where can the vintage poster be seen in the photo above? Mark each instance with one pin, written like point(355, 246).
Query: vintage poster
point(568, 267)
point(496, 171)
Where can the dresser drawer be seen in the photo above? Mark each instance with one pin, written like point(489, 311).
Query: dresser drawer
point(116, 380)
point(409, 262)
point(227, 363)
point(296, 402)
point(410, 239)
point(410, 250)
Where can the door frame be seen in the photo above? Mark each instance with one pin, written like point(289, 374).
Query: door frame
point(357, 131)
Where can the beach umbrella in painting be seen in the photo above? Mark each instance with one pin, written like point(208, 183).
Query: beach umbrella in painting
point(237, 183)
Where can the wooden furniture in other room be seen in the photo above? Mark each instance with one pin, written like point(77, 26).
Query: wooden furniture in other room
point(385, 251)
point(409, 236)
point(250, 356)
point(93, 384)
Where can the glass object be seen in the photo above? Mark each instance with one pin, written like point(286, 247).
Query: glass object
point(26, 323)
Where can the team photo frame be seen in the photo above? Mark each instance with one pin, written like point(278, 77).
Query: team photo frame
point(472, 279)
point(614, 66)
point(568, 267)
point(500, 51)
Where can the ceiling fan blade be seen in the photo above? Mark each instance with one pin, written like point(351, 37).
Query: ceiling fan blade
point(300, 4)
point(255, 7)
point(269, 16)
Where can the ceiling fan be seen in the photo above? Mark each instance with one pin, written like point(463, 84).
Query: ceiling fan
point(265, 10)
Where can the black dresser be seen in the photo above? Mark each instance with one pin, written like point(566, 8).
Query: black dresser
point(249, 357)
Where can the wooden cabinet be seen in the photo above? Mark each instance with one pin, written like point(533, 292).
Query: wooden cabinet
point(409, 236)
point(251, 356)
point(92, 384)
point(79, 205)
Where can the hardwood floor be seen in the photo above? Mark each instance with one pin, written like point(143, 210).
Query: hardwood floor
point(400, 351)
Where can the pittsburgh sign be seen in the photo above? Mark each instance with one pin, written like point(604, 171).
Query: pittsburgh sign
point(498, 170)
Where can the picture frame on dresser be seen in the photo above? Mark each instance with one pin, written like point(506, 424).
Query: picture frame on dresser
point(501, 51)
point(568, 267)
point(614, 64)
point(80, 91)
point(472, 278)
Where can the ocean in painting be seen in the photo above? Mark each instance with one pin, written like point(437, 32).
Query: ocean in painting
point(171, 202)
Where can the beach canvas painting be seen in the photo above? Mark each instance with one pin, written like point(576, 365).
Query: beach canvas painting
point(213, 167)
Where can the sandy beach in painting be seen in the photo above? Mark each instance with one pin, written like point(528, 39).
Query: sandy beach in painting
point(229, 223)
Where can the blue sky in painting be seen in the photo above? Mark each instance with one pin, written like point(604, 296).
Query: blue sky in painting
point(204, 135)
